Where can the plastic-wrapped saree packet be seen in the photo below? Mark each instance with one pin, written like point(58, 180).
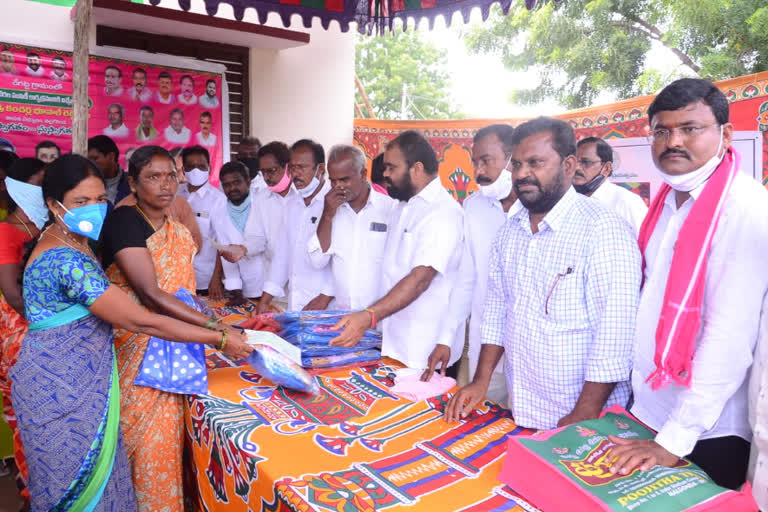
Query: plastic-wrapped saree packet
point(280, 362)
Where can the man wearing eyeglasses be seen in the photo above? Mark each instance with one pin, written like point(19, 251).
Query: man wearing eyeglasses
point(270, 202)
point(308, 288)
point(595, 166)
point(704, 243)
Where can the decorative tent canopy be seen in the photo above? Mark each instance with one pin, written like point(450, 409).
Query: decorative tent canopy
point(370, 15)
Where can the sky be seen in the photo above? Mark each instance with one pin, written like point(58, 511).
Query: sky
point(481, 85)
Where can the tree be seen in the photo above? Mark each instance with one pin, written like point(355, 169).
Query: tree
point(386, 63)
point(584, 47)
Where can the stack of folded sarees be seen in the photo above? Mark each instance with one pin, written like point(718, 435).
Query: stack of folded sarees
point(311, 332)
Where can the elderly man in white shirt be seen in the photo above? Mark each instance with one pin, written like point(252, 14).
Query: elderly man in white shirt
point(207, 202)
point(308, 288)
point(595, 167)
point(176, 132)
point(352, 230)
point(485, 212)
point(245, 277)
point(705, 242)
point(421, 259)
point(563, 288)
point(116, 128)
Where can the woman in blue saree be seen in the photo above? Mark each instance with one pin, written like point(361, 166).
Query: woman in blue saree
point(65, 385)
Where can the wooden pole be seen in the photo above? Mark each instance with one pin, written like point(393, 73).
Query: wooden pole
point(358, 110)
point(84, 10)
point(367, 103)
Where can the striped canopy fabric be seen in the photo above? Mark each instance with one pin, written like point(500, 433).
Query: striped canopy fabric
point(369, 15)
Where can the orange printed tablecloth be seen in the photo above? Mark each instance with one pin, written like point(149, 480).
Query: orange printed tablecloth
point(353, 447)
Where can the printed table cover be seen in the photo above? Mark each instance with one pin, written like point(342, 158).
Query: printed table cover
point(352, 447)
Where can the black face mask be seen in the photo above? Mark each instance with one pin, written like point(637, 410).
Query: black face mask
point(589, 187)
point(252, 163)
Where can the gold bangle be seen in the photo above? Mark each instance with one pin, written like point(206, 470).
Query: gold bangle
point(223, 340)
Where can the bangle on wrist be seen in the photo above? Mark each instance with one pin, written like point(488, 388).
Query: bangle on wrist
point(223, 340)
point(211, 323)
point(373, 317)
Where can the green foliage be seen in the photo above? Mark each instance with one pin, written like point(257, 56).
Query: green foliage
point(384, 63)
point(581, 48)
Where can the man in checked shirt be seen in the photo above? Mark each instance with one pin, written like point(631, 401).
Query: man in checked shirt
point(563, 290)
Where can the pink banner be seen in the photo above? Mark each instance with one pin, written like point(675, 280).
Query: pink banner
point(135, 104)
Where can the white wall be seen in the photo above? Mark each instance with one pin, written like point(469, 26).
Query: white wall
point(305, 92)
point(48, 26)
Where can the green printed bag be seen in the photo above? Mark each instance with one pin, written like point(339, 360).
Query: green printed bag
point(568, 469)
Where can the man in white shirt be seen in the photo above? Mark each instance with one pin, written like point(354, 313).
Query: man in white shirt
point(113, 77)
point(59, 69)
point(207, 202)
point(244, 278)
point(164, 93)
point(139, 91)
point(273, 160)
point(204, 136)
point(308, 288)
point(352, 230)
point(563, 288)
point(209, 99)
point(485, 212)
point(187, 95)
point(34, 65)
point(248, 153)
point(699, 413)
point(176, 132)
point(7, 62)
point(595, 167)
point(421, 259)
point(116, 128)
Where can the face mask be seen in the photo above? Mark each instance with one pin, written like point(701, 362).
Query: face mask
point(499, 189)
point(692, 180)
point(252, 163)
point(589, 187)
point(197, 177)
point(309, 189)
point(85, 220)
point(283, 184)
point(30, 199)
point(502, 187)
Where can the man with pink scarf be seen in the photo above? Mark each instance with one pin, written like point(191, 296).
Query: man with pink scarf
point(704, 243)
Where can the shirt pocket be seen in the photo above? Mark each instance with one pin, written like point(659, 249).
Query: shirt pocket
point(563, 305)
point(405, 249)
point(204, 223)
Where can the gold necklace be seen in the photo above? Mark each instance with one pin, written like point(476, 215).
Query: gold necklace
point(145, 216)
point(84, 248)
point(23, 224)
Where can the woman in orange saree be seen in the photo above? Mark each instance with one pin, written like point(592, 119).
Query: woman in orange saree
point(149, 256)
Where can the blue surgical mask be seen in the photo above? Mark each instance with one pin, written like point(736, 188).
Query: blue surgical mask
point(30, 199)
point(86, 220)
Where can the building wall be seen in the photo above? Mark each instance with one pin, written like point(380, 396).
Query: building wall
point(295, 93)
point(305, 92)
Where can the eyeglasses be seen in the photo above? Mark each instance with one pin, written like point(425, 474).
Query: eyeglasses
point(585, 162)
point(661, 135)
point(271, 171)
point(292, 168)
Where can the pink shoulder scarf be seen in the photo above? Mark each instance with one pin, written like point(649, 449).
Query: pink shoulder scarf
point(680, 317)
